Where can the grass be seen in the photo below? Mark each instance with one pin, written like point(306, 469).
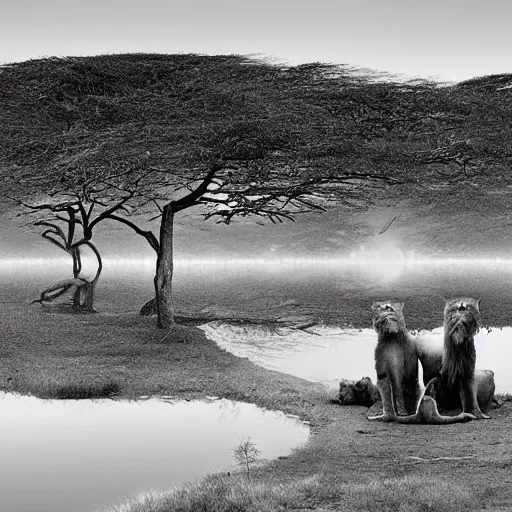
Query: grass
point(348, 464)
point(50, 355)
point(84, 390)
point(220, 493)
point(407, 494)
point(65, 388)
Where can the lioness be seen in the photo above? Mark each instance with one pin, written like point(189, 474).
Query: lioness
point(396, 362)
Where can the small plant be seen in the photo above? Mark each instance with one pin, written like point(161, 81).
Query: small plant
point(246, 454)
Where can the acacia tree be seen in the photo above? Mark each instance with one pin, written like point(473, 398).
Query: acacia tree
point(255, 170)
point(237, 136)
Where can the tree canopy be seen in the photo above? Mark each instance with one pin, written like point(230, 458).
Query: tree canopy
point(69, 123)
point(65, 120)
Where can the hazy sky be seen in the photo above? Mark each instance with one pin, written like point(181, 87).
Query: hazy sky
point(449, 39)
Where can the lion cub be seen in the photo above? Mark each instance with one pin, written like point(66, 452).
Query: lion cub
point(396, 362)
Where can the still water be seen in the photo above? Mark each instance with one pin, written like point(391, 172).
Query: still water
point(325, 288)
point(63, 456)
point(328, 354)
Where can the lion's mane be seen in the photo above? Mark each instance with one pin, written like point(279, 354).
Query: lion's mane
point(462, 318)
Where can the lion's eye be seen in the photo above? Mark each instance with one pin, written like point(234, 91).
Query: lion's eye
point(388, 308)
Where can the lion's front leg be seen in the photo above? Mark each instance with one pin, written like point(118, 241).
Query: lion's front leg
point(397, 388)
point(470, 402)
point(386, 395)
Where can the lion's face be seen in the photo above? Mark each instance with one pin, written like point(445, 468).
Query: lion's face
point(388, 317)
point(346, 395)
point(462, 318)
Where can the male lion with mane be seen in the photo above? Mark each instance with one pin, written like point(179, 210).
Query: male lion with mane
point(457, 385)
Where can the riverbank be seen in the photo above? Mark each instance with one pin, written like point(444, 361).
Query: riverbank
point(348, 464)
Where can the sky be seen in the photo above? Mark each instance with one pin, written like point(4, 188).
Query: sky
point(449, 40)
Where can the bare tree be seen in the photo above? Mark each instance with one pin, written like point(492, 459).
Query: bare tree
point(64, 238)
point(246, 454)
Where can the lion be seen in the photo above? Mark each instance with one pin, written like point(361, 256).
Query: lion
point(396, 362)
point(452, 362)
point(363, 392)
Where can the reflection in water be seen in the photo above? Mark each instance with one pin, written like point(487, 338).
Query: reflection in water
point(313, 286)
point(328, 354)
point(76, 455)
point(325, 355)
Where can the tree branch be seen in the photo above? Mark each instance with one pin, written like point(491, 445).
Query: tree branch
point(191, 198)
point(119, 205)
point(148, 235)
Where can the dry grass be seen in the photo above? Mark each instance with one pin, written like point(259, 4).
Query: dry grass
point(222, 493)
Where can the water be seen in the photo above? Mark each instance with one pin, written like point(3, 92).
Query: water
point(328, 290)
point(73, 456)
point(62, 456)
point(328, 354)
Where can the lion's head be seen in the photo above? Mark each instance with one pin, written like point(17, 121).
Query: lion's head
point(388, 317)
point(366, 392)
point(363, 392)
point(461, 319)
point(346, 394)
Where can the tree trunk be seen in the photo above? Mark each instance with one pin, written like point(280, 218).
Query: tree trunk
point(83, 298)
point(76, 300)
point(87, 297)
point(77, 268)
point(164, 269)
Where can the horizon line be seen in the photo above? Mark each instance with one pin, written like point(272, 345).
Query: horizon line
point(284, 260)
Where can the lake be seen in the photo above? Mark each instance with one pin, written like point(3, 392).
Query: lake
point(330, 290)
point(69, 455)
